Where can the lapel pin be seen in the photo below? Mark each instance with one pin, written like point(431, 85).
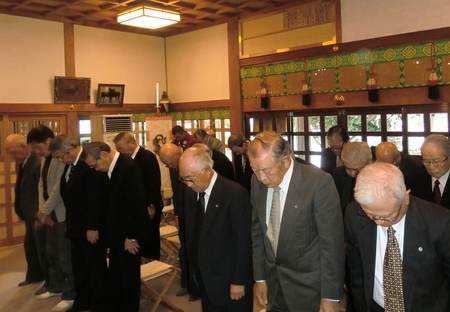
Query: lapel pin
point(420, 249)
point(295, 206)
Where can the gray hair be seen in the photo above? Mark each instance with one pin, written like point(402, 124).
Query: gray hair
point(200, 155)
point(95, 148)
point(126, 136)
point(441, 141)
point(353, 151)
point(63, 143)
point(236, 140)
point(377, 181)
point(271, 142)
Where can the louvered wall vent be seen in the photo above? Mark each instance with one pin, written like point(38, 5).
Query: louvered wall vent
point(116, 123)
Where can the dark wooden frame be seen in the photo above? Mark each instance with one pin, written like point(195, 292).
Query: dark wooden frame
point(106, 97)
point(72, 90)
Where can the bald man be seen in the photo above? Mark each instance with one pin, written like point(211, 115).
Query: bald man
point(169, 155)
point(409, 165)
point(26, 206)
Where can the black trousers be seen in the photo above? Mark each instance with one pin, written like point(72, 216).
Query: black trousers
point(124, 281)
point(245, 304)
point(89, 274)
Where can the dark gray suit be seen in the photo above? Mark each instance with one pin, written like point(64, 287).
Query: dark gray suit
point(26, 206)
point(310, 261)
point(426, 257)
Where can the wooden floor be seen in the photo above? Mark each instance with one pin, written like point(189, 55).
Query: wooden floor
point(21, 299)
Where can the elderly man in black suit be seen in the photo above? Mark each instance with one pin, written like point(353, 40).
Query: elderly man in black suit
point(410, 166)
point(243, 172)
point(125, 217)
point(151, 177)
point(297, 230)
point(387, 228)
point(26, 206)
point(218, 239)
point(435, 157)
point(82, 191)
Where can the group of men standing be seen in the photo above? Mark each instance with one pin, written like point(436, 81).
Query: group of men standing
point(74, 214)
point(281, 239)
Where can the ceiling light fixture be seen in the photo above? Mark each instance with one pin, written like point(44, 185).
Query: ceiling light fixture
point(148, 17)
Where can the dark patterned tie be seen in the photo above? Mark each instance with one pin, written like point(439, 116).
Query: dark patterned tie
point(437, 192)
point(392, 275)
point(199, 215)
point(273, 228)
point(244, 162)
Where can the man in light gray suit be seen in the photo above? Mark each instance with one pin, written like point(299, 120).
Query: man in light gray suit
point(304, 268)
point(52, 212)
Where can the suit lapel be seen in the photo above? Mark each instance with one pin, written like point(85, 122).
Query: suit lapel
point(213, 206)
point(413, 246)
point(367, 239)
point(292, 207)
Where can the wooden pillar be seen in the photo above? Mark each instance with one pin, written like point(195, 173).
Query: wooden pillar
point(236, 107)
point(69, 60)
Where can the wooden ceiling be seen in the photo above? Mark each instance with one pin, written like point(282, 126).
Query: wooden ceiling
point(195, 14)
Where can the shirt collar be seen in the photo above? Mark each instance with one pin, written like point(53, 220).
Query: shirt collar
point(135, 152)
point(211, 184)
point(284, 185)
point(113, 163)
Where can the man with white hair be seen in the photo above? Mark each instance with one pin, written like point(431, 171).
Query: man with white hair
point(398, 250)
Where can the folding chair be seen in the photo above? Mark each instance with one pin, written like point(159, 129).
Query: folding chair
point(167, 212)
point(153, 270)
point(167, 249)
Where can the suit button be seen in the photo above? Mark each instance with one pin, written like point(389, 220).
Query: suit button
point(277, 263)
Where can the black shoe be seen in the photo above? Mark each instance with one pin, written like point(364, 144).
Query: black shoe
point(182, 292)
point(193, 298)
point(25, 283)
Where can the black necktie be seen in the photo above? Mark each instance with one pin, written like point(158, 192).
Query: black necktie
point(437, 192)
point(199, 215)
point(44, 175)
point(72, 166)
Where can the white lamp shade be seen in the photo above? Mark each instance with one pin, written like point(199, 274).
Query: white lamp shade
point(147, 17)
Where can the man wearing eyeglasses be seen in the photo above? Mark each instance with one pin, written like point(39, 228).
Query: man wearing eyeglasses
point(435, 157)
point(218, 240)
point(125, 215)
point(297, 231)
point(386, 220)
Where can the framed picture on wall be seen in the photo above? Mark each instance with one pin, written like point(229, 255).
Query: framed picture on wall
point(72, 90)
point(110, 94)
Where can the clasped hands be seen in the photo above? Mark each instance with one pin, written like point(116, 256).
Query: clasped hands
point(132, 246)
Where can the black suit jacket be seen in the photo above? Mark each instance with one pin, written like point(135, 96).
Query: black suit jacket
point(83, 196)
point(26, 202)
point(426, 257)
point(223, 165)
point(328, 160)
point(345, 185)
point(413, 171)
point(426, 190)
point(244, 178)
point(151, 176)
point(225, 248)
point(126, 211)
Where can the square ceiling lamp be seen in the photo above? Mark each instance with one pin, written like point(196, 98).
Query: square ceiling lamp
point(148, 17)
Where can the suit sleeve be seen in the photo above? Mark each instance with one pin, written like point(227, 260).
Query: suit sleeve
point(152, 182)
point(240, 221)
point(258, 248)
point(54, 195)
point(136, 208)
point(354, 263)
point(330, 228)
